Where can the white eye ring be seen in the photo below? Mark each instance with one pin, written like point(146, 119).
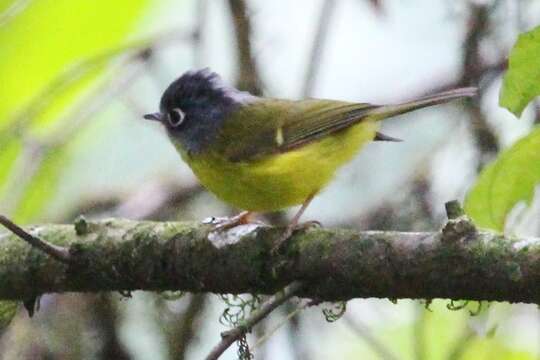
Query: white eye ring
point(176, 117)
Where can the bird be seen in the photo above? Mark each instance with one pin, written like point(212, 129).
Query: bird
point(262, 154)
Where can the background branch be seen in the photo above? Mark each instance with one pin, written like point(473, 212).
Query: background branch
point(367, 336)
point(248, 77)
point(319, 44)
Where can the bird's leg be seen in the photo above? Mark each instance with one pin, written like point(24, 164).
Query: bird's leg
point(293, 225)
point(222, 224)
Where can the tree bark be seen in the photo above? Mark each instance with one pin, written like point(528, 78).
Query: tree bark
point(334, 264)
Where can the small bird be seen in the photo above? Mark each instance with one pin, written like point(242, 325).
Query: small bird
point(264, 154)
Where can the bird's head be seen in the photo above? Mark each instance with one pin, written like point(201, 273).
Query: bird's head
point(194, 107)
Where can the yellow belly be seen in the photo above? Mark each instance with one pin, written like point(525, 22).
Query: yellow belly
point(281, 180)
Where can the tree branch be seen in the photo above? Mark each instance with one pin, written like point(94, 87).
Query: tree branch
point(335, 264)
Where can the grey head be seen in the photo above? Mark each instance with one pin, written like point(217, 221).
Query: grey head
point(194, 107)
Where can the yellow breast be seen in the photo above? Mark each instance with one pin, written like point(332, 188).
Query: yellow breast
point(284, 179)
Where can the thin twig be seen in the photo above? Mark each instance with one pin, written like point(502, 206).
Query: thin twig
point(318, 46)
point(248, 77)
point(479, 26)
point(185, 325)
point(201, 14)
point(272, 331)
point(260, 332)
point(365, 334)
point(229, 337)
point(294, 335)
point(59, 253)
point(153, 200)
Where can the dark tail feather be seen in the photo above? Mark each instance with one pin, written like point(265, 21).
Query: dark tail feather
point(381, 137)
point(385, 111)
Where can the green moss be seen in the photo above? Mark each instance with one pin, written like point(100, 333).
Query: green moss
point(368, 244)
point(81, 225)
point(317, 240)
point(514, 272)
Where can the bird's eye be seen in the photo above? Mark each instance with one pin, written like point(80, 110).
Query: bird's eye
point(176, 117)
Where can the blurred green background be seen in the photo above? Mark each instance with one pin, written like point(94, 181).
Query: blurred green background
point(76, 77)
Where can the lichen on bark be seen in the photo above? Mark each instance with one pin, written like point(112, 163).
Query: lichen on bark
point(336, 264)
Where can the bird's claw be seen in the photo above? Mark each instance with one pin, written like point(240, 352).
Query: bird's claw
point(291, 229)
point(225, 223)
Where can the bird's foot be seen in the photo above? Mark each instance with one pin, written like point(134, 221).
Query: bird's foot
point(291, 228)
point(226, 223)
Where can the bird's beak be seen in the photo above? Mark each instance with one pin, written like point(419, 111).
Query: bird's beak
point(154, 116)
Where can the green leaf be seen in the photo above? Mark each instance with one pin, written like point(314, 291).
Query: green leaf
point(52, 52)
point(8, 309)
point(446, 335)
point(521, 83)
point(493, 350)
point(50, 36)
point(505, 182)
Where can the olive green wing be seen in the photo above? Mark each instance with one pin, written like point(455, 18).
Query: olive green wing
point(272, 125)
point(269, 126)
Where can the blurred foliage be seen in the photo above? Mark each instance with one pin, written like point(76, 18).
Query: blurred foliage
point(49, 59)
point(449, 335)
point(11, 148)
point(511, 178)
point(46, 177)
point(487, 349)
point(521, 83)
point(8, 309)
point(45, 39)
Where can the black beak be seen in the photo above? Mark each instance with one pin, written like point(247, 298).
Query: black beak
point(153, 116)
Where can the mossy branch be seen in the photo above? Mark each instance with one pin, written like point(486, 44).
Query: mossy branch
point(458, 262)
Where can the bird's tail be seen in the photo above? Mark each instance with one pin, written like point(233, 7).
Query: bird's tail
point(385, 111)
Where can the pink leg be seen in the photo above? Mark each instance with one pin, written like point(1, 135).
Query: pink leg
point(293, 225)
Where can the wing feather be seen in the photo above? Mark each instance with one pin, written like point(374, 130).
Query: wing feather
point(271, 126)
